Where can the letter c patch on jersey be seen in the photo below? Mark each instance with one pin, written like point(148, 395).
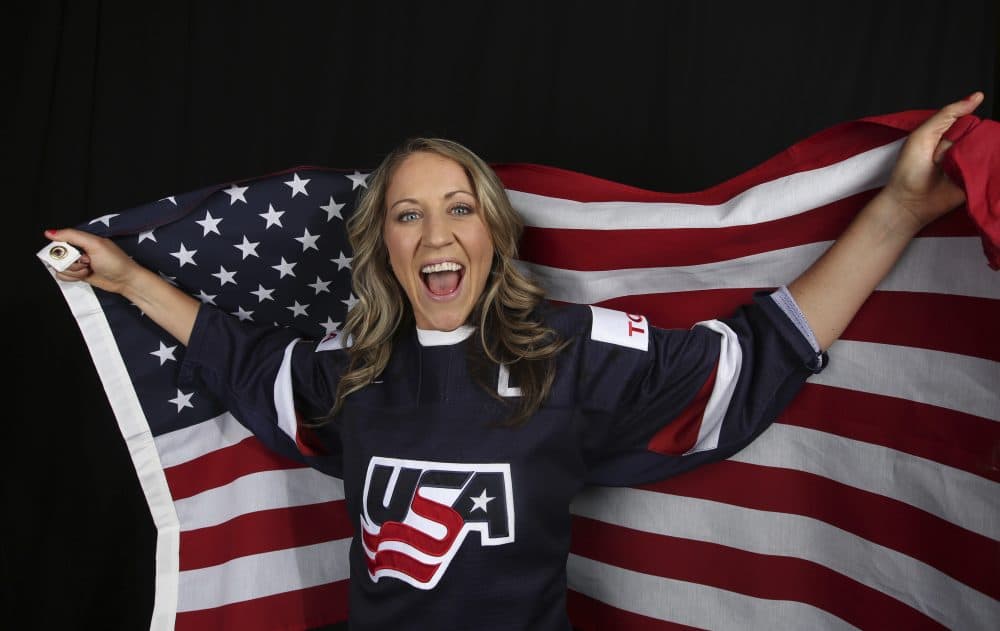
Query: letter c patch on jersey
point(618, 327)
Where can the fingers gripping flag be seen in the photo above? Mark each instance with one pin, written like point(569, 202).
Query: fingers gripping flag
point(872, 501)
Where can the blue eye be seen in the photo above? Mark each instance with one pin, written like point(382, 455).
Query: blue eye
point(461, 209)
point(408, 216)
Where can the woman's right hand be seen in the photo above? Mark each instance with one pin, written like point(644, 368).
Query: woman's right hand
point(103, 264)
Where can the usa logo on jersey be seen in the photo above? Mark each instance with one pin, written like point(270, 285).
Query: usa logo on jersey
point(417, 514)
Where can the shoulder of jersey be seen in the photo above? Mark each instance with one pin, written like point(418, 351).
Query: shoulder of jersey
point(599, 324)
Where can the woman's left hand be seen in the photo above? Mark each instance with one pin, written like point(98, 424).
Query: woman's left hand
point(918, 186)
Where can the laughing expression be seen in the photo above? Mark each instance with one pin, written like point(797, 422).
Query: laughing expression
point(439, 246)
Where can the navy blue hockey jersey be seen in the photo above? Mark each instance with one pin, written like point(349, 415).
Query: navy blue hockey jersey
point(461, 522)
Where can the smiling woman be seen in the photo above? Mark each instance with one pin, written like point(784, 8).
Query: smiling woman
point(434, 240)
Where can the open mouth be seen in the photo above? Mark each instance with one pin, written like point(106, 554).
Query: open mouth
point(442, 279)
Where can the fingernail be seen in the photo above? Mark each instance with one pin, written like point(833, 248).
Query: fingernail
point(50, 232)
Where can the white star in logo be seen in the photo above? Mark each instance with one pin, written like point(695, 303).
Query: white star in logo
point(225, 276)
point(343, 261)
point(210, 224)
point(350, 302)
point(262, 294)
point(206, 298)
point(298, 185)
point(169, 199)
point(479, 503)
point(320, 285)
point(308, 240)
point(285, 268)
point(105, 219)
point(248, 248)
point(330, 326)
point(166, 353)
point(333, 210)
point(185, 256)
point(243, 314)
point(298, 310)
point(272, 216)
point(236, 193)
point(182, 400)
point(358, 179)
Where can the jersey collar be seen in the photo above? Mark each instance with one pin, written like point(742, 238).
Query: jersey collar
point(430, 337)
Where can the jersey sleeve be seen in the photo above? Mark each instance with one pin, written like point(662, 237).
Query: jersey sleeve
point(657, 402)
point(272, 381)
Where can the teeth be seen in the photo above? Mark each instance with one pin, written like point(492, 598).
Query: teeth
point(447, 266)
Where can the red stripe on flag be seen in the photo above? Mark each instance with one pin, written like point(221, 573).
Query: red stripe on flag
point(951, 438)
point(819, 150)
point(627, 249)
point(300, 609)
point(758, 575)
point(967, 556)
point(222, 466)
point(264, 531)
point(588, 614)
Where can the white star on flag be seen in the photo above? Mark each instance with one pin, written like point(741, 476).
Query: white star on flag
point(105, 219)
point(243, 314)
point(479, 503)
point(333, 209)
point(262, 294)
point(272, 216)
point(165, 353)
point(169, 199)
point(206, 298)
point(185, 255)
point(298, 185)
point(236, 193)
point(170, 279)
point(297, 309)
point(358, 179)
point(210, 224)
point(182, 400)
point(343, 261)
point(285, 268)
point(308, 241)
point(147, 235)
point(225, 276)
point(350, 302)
point(320, 285)
point(248, 248)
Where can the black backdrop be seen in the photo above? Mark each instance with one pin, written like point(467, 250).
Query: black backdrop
point(119, 103)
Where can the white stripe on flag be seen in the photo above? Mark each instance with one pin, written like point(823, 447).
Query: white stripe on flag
point(188, 443)
point(945, 265)
point(949, 380)
point(779, 198)
point(265, 574)
point(958, 497)
point(691, 604)
point(900, 576)
point(256, 492)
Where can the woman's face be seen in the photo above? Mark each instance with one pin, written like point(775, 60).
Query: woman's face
point(439, 246)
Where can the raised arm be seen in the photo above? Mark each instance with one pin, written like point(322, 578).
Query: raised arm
point(832, 290)
point(106, 266)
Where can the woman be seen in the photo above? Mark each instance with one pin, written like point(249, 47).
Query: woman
point(464, 418)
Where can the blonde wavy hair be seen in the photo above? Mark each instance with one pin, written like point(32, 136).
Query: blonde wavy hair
point(510, 330)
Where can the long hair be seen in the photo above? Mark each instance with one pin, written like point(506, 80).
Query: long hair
point(509, 329)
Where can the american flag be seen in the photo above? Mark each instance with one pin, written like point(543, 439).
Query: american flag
point(872, 502)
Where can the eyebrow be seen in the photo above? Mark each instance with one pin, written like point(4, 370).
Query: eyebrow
point(413, 201)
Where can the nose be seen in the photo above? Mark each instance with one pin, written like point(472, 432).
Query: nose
point(437, 233)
